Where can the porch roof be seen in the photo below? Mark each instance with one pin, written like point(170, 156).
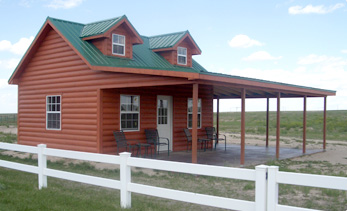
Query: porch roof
point(257, 88)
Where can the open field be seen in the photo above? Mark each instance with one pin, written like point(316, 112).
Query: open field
point(18, 190)
point(291, 123)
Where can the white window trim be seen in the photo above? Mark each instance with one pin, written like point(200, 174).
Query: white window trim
point(134, 112)
point(52, 112)
point(113, 43)
point(182, 55)
point(192, 113)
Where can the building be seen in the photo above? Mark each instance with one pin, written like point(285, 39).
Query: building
point(79, 82)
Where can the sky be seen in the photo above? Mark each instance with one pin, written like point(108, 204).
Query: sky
point(297, 42)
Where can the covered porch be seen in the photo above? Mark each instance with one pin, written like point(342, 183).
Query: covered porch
point(254, 155)
point(234, 87)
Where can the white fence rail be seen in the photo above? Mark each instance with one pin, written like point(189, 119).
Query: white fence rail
point(266, 178)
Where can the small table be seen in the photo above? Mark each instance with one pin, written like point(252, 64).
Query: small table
point(146, 146)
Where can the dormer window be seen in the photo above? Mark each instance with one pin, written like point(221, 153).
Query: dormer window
point(118, 44)
point(182, 56)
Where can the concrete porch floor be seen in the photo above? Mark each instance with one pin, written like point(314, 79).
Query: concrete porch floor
point(254, 155)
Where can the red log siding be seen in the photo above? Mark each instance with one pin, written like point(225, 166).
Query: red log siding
point(121, 30)
point(187, 45)
point(100, 43)
point(169, 56)
point(148, 98)
point(55, 69)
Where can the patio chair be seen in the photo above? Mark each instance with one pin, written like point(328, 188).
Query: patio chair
point(153, 138)
point(211, 134)
point(201, 141)
point(122, 142)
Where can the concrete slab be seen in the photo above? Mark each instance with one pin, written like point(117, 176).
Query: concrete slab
point(254, 155)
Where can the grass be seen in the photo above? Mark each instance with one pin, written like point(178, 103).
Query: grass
point(313, 198)
point(291, 123)
point(8, 119)
point(8, 137)
point(18, 190)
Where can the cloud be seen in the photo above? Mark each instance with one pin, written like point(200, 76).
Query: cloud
point(18, 48)
point(323, 59)
point(261, 56)
point(9, 64)
point(344, 51)
point(243, 41)
point(64, 4)
point(320, 9)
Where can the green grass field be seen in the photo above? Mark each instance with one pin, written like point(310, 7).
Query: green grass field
point(18, 190)
point(291, 124)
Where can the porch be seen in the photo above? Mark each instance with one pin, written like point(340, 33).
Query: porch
point(254, 155)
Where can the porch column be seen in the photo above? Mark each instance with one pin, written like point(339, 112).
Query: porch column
point(99, 120)
point(304, 127)
point(267, 121)
point(195, 124)
point(243, 126)
point(278, 126)
point(217, 121)
point(325, 123)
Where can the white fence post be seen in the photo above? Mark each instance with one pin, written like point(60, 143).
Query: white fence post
point(260, 187)
point(125, 179)
point(272, 188)
point(42, 164)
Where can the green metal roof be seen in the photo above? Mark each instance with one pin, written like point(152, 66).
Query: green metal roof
point(165, 40)
point(143, 56)
point(99, 27)
point(263, 81)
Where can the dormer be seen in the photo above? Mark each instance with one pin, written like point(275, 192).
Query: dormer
point(113, 37)
point(177, 48)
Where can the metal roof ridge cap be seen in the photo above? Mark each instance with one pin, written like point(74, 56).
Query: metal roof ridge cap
point(57, 19)
point(166, 34)
point(104, 20)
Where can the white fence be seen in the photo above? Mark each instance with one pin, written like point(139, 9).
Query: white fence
point(266, 178)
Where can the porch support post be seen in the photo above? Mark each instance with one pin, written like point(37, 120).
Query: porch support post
point(267, 121)
point(217, 121)
point(325, 123)
point(304, 127)
point(243, 126)
point(195, 124)
point(278, 126)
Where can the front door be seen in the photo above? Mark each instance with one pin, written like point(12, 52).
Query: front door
point(164, 119)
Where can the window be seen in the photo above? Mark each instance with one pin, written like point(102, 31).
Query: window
point(182, 55)
point(190, 113)
point(162, 112)
point(53, 112)
point(129, 112)
point(118, 44)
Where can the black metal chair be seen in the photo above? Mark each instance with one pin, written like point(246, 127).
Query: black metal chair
point(211, 134)
point(203, 142)
point(122, 142)
point(153, 138)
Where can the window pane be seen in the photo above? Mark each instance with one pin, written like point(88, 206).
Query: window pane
point(181, 60)
point(190, 105)
point(115, 38)
point(118, 49)
point(121, 39)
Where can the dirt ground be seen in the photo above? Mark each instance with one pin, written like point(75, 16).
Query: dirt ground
point(335, 150)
